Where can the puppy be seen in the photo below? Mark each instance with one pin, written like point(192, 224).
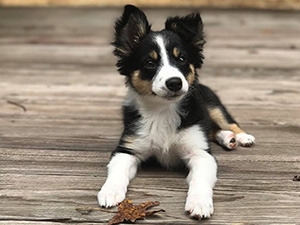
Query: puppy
point(167, 113)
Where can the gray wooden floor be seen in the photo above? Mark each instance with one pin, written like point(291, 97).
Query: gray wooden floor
point(60, 98)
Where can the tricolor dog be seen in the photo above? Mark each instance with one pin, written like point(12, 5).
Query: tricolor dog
point(167, 113)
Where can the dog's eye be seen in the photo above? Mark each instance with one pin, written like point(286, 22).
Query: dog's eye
point(149, 64)
point(182, 59)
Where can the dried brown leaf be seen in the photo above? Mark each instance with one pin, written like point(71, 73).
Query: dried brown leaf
point(127, 211)
point(296, 178)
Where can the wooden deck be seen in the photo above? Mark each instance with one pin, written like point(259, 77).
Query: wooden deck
point(60, 98)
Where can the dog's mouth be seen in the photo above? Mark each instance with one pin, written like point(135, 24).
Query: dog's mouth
point(171, 95)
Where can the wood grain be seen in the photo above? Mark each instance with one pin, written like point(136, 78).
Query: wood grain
point(53, 155)
point(260, 4)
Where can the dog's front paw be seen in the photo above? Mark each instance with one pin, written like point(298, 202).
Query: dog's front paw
point(111, 195)
point(245, 140)
point(199, 207)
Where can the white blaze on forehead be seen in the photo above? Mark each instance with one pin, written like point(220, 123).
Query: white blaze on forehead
point(163, 51)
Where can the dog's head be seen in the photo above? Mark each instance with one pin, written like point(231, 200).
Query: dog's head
point(159, 63)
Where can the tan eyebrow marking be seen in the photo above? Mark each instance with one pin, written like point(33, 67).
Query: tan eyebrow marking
point(191, 76)
point(176, 52)
point(153, 55)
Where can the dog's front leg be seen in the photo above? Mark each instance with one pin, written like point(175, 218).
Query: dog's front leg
point(201, 180)
point(203, 172)
point(121, 169)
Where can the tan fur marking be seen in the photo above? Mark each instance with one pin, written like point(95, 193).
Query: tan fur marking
point(142, 30)
point(217, 116)
point(236, 129)
point(122, 50)
point(200, 42)
point(191, 76)
point(128, 142)
point(143, 87)
point(153, 55)
point(176, 52)
point(213, 135)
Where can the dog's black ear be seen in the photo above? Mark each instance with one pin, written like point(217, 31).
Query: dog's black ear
point(190, 29)
point(130, 29)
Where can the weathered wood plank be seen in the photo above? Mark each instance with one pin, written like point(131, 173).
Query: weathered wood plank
point(78, 176)
point(53, 156)
point(261, 4)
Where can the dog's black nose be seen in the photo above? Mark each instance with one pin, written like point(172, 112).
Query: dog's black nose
point(174, 84)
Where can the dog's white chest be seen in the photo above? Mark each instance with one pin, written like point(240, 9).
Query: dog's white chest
point(160, 127)
point(158, 132)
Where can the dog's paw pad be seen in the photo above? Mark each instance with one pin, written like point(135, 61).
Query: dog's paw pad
point(110, 196)
point(227, 139)
point(245, 140)
point(199, 207)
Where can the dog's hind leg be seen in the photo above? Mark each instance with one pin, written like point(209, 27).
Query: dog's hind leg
point(228, 132)
point(221, 130)
point(225, 138)
point(243, 139)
